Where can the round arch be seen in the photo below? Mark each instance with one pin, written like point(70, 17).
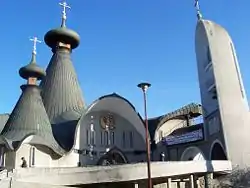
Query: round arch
point(116, 104)
point(217, 151)
point(192, 153)
point(114, 156)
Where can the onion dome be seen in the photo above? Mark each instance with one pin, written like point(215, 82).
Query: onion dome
point(32, 70)
point(62, 34)
point(61, 92)
point(29, 121)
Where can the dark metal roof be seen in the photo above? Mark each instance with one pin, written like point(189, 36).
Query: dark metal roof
point(60, 88)
point(126, 100)
point(194, 110)
point(3, 120)
point(29, 118)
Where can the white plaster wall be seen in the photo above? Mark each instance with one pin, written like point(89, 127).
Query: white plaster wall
point(122, 125)
point(13, 159)
point(169, 127)
point(41, 159)
point(69, 160)
point(232, 102)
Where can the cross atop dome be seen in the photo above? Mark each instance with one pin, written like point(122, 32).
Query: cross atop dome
point(32, 72)
point(64, 5)
point(197, 7)
point(35, 41)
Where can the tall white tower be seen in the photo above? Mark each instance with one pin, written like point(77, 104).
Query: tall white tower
point(223, 97)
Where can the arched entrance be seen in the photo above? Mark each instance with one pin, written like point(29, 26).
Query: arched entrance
point(192, 154)
point(113, 157)
point(217, 152)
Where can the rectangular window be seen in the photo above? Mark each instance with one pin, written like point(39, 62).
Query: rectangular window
point(106, 138)
point(87, 137)
point(102, 138)
point(237, 70)
point(1, 156)
point(112, 138)
point(33, 156)
point(131, 139)
point(92, 138)
point(123, 139)
point(208, 61)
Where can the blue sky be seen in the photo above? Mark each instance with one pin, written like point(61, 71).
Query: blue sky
point(122, 44)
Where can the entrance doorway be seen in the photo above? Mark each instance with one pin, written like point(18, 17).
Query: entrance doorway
point(113, 157)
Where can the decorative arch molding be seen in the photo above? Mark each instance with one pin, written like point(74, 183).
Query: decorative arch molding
point(113, 156)
point(192, 153)
point(218, 143)
point(116, 104)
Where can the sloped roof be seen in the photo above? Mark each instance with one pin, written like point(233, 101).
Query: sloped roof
point(3, 120)
point(191, 109)
point(29, 118)
point(60, 88)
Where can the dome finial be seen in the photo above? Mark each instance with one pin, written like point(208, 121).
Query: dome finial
point(197, 7)
point(32, 72)
point(64, 15)
point(35, 41)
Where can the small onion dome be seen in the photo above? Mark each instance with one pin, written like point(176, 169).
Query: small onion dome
point(32, 70)
point(62, 34)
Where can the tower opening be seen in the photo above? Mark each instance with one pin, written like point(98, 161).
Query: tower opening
point(218, 153)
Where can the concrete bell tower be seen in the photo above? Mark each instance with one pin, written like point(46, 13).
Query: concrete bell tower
point(223, 97)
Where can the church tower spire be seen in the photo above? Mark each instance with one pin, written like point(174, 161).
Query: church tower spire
point(198, 12)
point(61, 91)
point(29, 117)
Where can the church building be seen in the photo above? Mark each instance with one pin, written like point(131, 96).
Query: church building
point(51, 125)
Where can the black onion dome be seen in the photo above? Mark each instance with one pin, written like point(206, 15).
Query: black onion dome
point(64, 35)
point(32, 70)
